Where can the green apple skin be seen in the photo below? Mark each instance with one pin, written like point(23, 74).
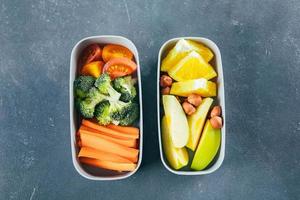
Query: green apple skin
point(177, 157)
point(196, 122)
point(207, 148)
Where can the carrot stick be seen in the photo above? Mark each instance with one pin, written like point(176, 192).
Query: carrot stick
point(107, 131)
point(100, 155)
point(124, 142)
point(124, 129)
point(101, 144)
point(108, 164)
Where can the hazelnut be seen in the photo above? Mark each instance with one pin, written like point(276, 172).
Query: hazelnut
point(165, 91)
point(188, 108)
point(165, 81)
point(216, 111)
point(216, 122)
point(194, 99)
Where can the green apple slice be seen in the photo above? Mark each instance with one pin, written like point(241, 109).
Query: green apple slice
point(177, 121)
point(196, 122)
point(207, 147)
point(177, 157)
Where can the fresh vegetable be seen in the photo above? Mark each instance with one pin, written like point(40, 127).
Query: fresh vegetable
point(125, 129)
point(110, 132)
point(82, 85)
point(129, 114)
point(103, 83)
point(115, 51)
point(101, 155)
point(117, 67)
point(125, 85)
point(181, 49)
point(103, 112)
point(176, 120)
point(87, 106)
point(91, 53)
point(101, 144)
point(108, 164)
point(207, 147)
point(200, 86)
point(196, 122)
point(192, 66)
point(124, 142)
point(106, 93)
point(93, 69)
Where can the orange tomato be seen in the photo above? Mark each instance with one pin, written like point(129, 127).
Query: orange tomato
point(93, 69)
point(91, 53)
point(115, 51)
point(117, 67)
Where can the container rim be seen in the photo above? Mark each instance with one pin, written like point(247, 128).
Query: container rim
point(212, 45)
point(73, 64)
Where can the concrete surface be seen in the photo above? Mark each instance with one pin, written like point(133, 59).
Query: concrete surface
point(260, 46)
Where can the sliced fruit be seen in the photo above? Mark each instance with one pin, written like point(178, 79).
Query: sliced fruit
point(91, 53)
point(176, 120)
point(115, 51)
point(117, 67)
point(94, 69)
point(207, 148)
point(177, 157)
point(204, 51)
point(181, 49)
point(196, 122)
point(192, 66)
point(200, 86)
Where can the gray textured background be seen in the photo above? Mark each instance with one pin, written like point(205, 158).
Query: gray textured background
point(260, 46)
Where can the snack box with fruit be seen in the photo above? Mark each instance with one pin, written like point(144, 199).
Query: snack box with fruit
point(105, 108)
point(191, 106)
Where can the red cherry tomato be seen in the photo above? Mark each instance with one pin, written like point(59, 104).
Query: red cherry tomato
point(117, 67)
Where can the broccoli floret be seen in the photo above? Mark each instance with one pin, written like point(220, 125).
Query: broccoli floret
point(117, 110)
point(103, 83)
point(82, 85)
point(110, 111)
point(125, 85)
point(102, 113)
point(87, 106)
point(129, 114)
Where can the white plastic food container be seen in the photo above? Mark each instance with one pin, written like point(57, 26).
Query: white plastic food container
point(85, 171)
point(217, 64)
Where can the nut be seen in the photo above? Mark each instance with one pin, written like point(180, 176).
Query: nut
point(165, 91)
point(194, 99)
point(216, 111)
point(165, 81)
point(216, 122)
point(188, 108)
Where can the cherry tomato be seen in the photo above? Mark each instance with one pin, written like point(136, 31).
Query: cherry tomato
point(115, 51)
point(117, 67)
point(91, 53)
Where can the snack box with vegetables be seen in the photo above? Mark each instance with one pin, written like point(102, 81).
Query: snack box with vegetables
point(105, 108)
point(191, 106)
